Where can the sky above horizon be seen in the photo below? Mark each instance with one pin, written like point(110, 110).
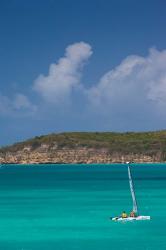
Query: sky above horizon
point(81, 66)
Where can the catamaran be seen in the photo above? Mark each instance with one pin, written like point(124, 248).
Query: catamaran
point(135, 207)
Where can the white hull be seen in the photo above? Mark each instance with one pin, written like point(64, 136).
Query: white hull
point(141, 217)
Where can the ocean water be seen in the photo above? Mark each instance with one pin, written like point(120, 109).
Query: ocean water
point(67, 207)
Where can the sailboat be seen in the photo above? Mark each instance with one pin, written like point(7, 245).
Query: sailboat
point(135, 207)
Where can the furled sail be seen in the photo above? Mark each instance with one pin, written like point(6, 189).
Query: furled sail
point(135, 209)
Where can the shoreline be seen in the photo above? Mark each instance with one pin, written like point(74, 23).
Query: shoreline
point(88, 148)
point(81, 164)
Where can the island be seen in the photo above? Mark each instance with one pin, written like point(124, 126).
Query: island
point(88, 147)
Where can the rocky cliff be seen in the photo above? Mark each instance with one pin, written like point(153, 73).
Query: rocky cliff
point(88, 148)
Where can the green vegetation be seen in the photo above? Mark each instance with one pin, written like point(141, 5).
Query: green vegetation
point(148, 143)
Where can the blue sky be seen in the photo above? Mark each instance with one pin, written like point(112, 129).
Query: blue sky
point(81, 66)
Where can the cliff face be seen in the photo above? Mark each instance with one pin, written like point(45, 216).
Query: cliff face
point(87, 147)
point(79, 155)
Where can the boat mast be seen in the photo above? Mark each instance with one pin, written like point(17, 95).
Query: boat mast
point(135, 208)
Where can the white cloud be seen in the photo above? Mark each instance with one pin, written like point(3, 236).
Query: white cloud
point(136, 83)
point(22, 102)
point(19, 104)
point(130, 96)
point(57, 86)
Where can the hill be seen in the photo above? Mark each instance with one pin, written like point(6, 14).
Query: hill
point(86, 147)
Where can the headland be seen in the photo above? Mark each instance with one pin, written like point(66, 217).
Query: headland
point(88, 147)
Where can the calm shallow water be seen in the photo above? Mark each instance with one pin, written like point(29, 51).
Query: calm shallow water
point(67, 207)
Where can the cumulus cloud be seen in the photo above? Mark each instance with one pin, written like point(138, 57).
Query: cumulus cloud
point(130, 96)
point(136, 83)
point(62, 77)
point(19, 104)
point(22, 102)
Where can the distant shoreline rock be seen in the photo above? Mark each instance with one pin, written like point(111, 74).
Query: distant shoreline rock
point(87, 148)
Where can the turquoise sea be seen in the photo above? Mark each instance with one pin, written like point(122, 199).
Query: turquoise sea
point(67, 207)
